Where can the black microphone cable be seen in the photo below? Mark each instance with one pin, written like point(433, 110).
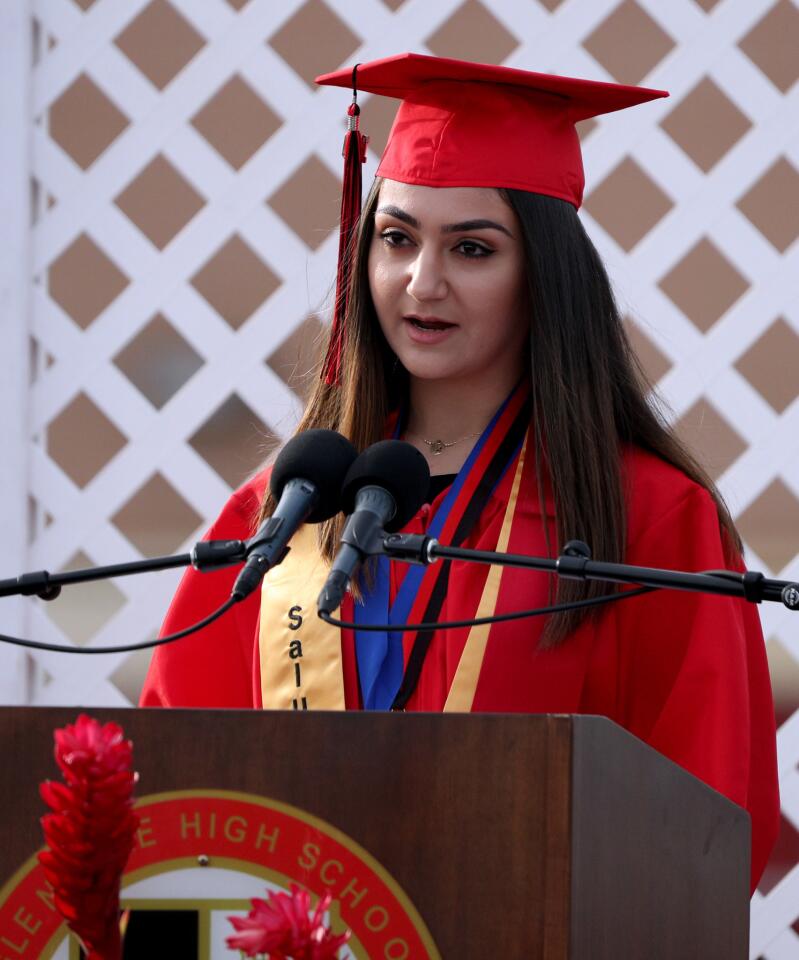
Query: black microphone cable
point(482, 621)
point(398, 628)
point(128, 647)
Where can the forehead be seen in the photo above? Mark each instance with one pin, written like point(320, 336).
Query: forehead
point(445, 204)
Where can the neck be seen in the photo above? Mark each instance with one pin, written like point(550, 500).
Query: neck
point(447, 411)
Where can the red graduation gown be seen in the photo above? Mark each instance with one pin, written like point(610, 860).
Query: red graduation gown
point(685, 672)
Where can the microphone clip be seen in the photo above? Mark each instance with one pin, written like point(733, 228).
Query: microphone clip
point(211, 554)
point(361, 533)
point(572, 562)
point(270, 528)
point(410, 547)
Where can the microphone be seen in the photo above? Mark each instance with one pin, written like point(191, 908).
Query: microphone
point(306, 481)
point(382, 491)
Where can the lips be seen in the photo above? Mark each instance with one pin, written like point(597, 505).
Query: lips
point(428, 331)
point(428, 323)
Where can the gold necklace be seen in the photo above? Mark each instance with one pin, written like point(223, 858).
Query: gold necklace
point(439, 446)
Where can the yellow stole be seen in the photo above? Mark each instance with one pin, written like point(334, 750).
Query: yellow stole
point(301, 664)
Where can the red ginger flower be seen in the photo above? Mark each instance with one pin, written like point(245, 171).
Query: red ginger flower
point(90, 831)
point(282, 928)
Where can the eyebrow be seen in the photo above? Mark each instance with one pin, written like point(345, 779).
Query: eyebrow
point(462, 227)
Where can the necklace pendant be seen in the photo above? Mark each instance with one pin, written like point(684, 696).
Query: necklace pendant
point(436, 447)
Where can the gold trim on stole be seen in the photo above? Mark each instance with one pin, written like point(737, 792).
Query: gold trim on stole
point(464, 684)
point(301, 660)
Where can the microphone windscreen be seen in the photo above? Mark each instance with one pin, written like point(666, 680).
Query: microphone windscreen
point(395, 466)
point(322, 457)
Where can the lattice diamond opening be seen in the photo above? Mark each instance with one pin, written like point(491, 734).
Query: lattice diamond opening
point(472, 32)
point(704, 142)
point(42, 200)
point(628, 204)
point(772, 204)
point(704, 284)
point(309, 202)
point(83, 609)
point(84, 122)
point(234, 440)
point(784, 671)
point(333, 40)
point(235, 281)
point(129, 676)
point(156, 519)
point(654, 362)
point(158, 361)
point(629, 43)
point(160, 42)
point(236, 121)
point(771, 365)
point(783, 858)
point(296, 360)
point(84, 280)
point(773, 42)
point(711, 437)
point(771, 524)
point(160, 201)
point(82, 440)
point(35, 355)
point(38, 518)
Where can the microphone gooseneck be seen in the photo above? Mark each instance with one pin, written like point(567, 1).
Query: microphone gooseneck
point(306, 481)
point(383, 489)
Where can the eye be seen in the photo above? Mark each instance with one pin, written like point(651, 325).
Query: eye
point(473, 250)
point(393, 238)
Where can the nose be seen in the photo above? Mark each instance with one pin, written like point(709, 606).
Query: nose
point(427, 280)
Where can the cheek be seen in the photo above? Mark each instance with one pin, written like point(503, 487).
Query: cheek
point(504, 300)
point(501, 293)
point(381, 292)
point(381, 282)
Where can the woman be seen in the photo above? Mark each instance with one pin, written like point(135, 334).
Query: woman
point(481, 328)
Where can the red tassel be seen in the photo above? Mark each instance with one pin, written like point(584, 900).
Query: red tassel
point(354, 154)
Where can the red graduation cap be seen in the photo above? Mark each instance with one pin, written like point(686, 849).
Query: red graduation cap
point(462, 124)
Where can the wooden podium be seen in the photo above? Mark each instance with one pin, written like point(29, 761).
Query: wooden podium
point(513, 836)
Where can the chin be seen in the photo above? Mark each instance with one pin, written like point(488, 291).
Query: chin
point(431, 370)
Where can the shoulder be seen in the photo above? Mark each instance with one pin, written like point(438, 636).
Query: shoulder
point(238, 517)
point(657, 492)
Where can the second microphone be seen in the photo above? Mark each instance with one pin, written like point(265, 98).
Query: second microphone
point(383, 489)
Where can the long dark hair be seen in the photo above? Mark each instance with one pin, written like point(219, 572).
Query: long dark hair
point(589, 392)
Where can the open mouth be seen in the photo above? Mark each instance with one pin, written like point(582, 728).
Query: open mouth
point(432, 323)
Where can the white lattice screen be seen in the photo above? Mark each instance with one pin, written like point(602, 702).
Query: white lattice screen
point(183, 191)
